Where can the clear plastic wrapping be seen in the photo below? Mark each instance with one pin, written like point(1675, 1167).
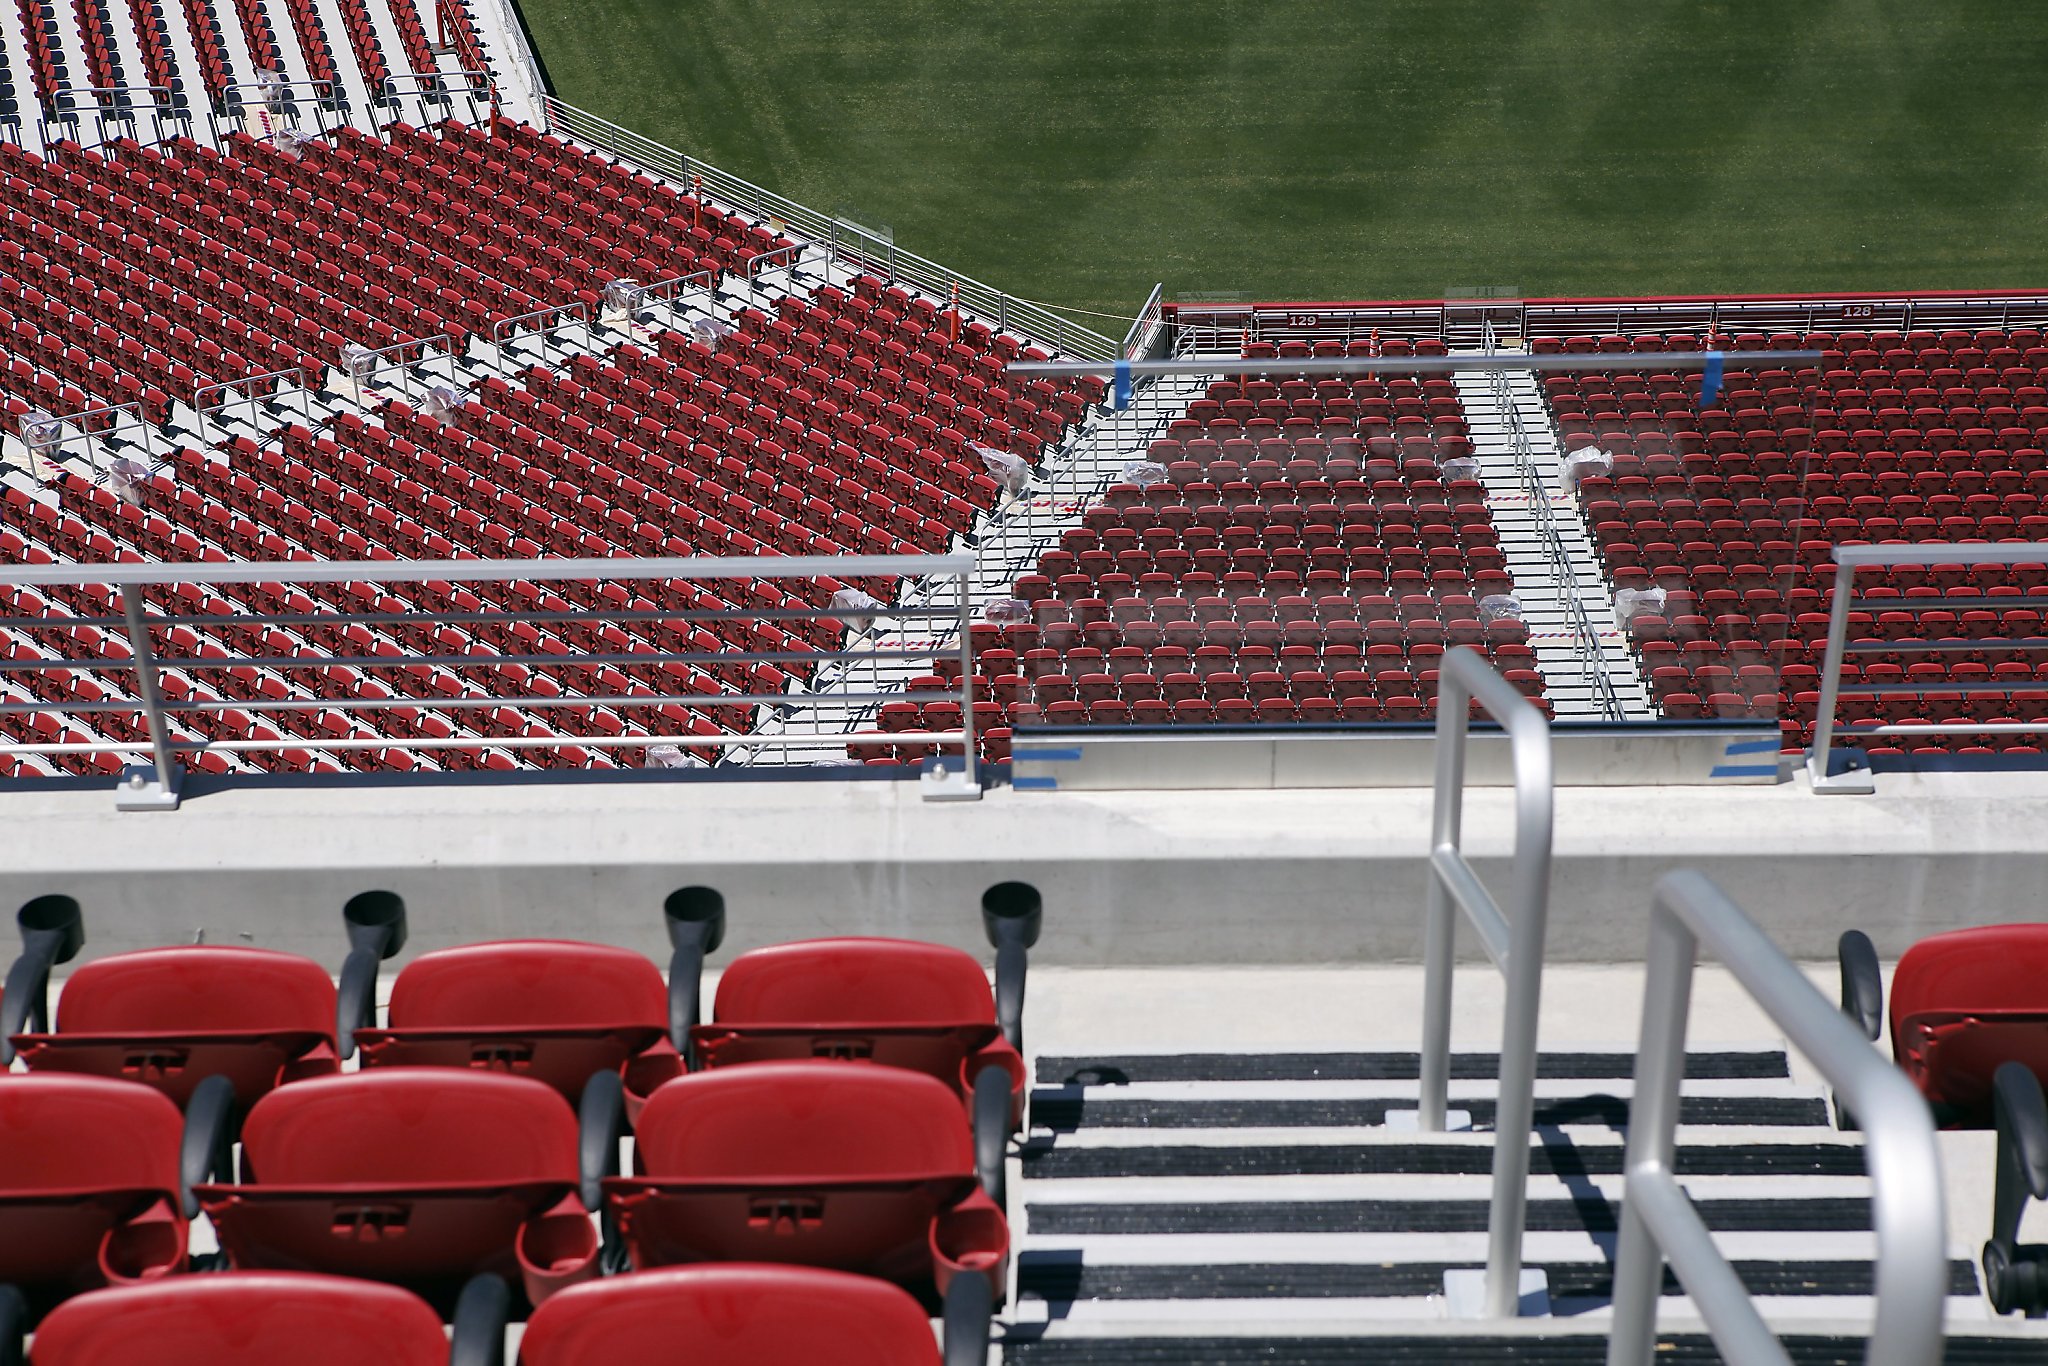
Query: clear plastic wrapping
point(1500, 607)
point(1586, 463)
point(1143, 473)
point(1630, 603)
point(1003, 611)
point(1013, 472)
point(856, 609)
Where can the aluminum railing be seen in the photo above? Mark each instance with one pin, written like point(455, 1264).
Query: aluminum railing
point(1513, 941)
point(484, 639)
point(1849, 559)
point(565, 315)
point(848, 241)
point(1658, 1222)
point(1143, 337)
point(211, 402)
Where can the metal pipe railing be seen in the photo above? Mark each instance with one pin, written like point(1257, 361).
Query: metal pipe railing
point(1659, 1224)
point(575, 311)
point(1514, 943)
point(250, 389)
point(1849, 559)
point(156, 787)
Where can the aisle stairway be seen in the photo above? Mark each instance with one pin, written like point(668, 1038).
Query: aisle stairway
point(1254, 1207)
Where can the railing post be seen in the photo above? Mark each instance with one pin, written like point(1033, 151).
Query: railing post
point(140, 790)
point(1830, 690)
point(967, 753)
point(1440, 927)
point(1652, 1133)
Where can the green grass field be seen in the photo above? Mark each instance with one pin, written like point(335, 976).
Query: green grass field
point(1076, 151)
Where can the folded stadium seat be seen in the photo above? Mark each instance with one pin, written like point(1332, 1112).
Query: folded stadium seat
point(245, 1020)
point(1962, 1003)
point(866, 1169)
point(424, 1177)
point(95, 1186)
point(743, 1315)
point(895, 1002)
point(257, 1318)
point(588, 1020)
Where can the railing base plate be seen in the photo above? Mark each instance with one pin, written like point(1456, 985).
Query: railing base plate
point(1855, 781)
point(141, 790)
point(941, 782)
point(1465, 1293)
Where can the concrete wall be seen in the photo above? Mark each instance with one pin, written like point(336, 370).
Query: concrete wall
point(1129, 878)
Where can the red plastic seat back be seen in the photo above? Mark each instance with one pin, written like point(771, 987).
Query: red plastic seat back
point(555, 1011)
point(920, 1006)
point(418, 1175)
point(89, 1184)
point(1964, 1002)
point(170, 1018)
point(744, 1315)
point(244, 1319)
point(867, 1169)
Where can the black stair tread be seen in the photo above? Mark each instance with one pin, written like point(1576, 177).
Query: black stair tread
point(1679, 1349)
point(1114, 1070)
point(1066, 1276)
point(1063, 1110)
point(1588, 1214)
point(1552, 1156)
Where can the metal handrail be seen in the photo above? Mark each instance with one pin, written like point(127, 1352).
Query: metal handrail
point(774, 259)
point(1514, 944)
point(156, 787)
point(1659, 1224)
point(1849, 559)
point(137, 418)
point(1224, 366)
point(1144, 330)
point(238, 391)
point(388, 357)
point(437, 84)
point(573, 311)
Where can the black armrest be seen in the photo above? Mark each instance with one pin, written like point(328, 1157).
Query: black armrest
point(2016, 1277)
point(206, 1153)
point(376, 932)
point(1011, 914)
point(601, 1122)
point(13, 1325)
point(992, 1131)
point(696, 927)
point(52, 932)
point(1862, 982)
point(481, 1314)
point(970, 1305)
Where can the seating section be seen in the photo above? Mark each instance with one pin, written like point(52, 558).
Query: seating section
point(1733, 511)
point(1310, 551)
point(844, 422)
point(262, 261)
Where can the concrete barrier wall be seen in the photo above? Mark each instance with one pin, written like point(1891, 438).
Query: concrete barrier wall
point(1129, 878)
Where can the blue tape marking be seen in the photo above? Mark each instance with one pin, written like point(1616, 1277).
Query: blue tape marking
point(1710, 380)
point(1744, 771)
point(1122, 397)
point(1035, 784)
point(1051, 756)
point(1752, 746)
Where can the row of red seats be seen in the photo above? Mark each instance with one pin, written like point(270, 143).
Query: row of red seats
point(1949, 340)
point(412, 35)
point(264, 48)
point(768, 1097)
point(98, 40)
point(362, 40)
point(45, 61)
point(216, 72)
point(154, 42)
point(312, 34)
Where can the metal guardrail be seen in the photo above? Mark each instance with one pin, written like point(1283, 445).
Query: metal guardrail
point(1143, 338)
point(437, 85)
point(575, 311)
point(77, 428)
point(1659, 1224)
point(378, 635)
point(252, 390)
point(394, 357)
point(1849, 559)
point(1515, 944)
point(848, 241)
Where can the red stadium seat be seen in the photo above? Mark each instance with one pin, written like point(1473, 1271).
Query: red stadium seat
point(172, 1018)
point(247, 1318)
point(422, 1177)
point(744, 1315)
point(92, 1190)
point(868, 1169)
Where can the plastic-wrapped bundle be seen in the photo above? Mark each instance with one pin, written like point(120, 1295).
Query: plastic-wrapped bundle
point(856, 609)
point(358, 361)
point(709, 330)
point(672, 756)
point(288, 141)
point(1588, 463)
point(1013, 472)
point(1500, 607)
point(1003, 611)
point(1630, 603)
point(622, 296)
point(126, 478)
point(41, 431)
point(442, 403)
point(1143, 473)
point(1461, 467)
